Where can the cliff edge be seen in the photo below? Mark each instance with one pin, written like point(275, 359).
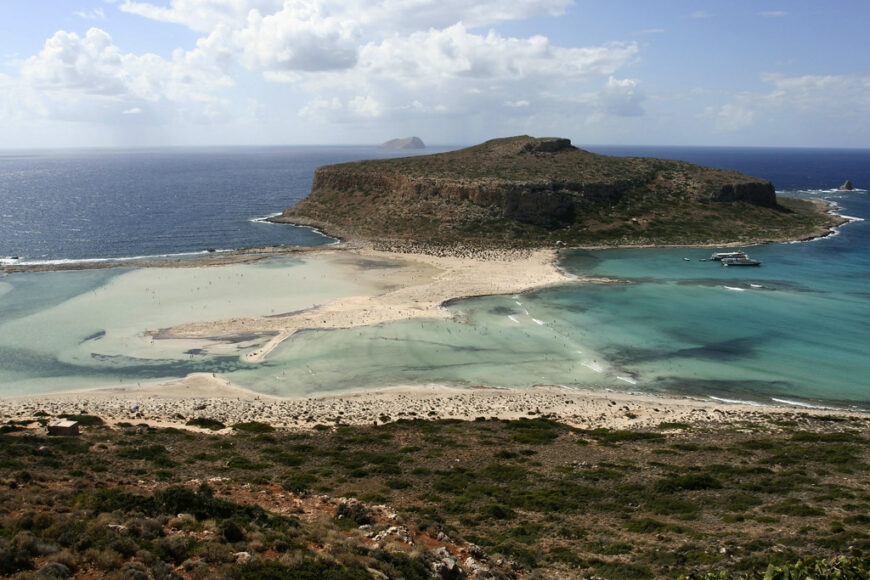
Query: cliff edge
point(526, 191)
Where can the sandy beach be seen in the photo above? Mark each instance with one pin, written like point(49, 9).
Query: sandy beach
point(173, 403)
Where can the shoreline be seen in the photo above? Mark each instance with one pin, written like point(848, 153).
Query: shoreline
point(204, 395)
point(348, 240)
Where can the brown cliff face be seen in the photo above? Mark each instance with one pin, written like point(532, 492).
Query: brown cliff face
point(528, 191)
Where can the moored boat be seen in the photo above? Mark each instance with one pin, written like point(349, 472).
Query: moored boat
point(743, 261)
point(719, 256)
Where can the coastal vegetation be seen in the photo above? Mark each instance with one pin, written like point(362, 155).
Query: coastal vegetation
point(528, 192)
point(776, 496)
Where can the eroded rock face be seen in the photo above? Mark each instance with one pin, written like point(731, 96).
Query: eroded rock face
point(758, 193)
point(547, 204)
point(507, 185)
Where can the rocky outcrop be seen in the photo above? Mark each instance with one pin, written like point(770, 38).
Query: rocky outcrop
point(846, 186)
point(406, 143)
point(547, 203)
point(755, 193)
point(536, 190)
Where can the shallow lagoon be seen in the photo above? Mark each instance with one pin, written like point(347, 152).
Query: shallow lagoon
point(793, 330)
point(77, 329)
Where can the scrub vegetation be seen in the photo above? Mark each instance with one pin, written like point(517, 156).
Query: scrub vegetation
point(411, 498)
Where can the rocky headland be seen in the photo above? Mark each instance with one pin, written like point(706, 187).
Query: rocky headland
point(526, 191)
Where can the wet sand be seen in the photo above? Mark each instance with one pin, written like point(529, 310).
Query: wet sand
point(413, 286)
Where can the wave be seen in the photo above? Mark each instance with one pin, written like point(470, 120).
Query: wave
point(820, 192)
point(23, 261)
point(16, 261)
point(736, 401)
point(807, 405)
point(266, 219)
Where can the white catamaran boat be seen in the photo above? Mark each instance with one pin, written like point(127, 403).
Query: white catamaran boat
point(719, 256)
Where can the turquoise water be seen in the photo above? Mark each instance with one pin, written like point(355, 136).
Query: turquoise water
point(69, 330)
point(793, 330)
point(796, 329)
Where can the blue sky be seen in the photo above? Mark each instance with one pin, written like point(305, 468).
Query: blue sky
point(238, 72)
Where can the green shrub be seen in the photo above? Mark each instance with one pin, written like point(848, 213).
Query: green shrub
point(670, 506)
point(651, 526)
point(612, 436)
point(206, 423)
point(298, 482)
point(497, 512)
point(307, 570)
point(794, 507)
point(253, 427)
point(691, 481)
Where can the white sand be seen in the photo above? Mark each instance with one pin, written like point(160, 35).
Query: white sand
point(205, 395)
point(417, 288)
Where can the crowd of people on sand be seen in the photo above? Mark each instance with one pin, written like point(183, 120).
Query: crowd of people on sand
point(450, 251)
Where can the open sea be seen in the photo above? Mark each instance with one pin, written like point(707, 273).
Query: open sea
point(794, 331)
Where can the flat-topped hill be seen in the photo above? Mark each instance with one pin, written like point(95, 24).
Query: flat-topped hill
point(406, 143)
point(525, 191)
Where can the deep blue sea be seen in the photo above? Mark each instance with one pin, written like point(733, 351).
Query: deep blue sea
point(92, 204)
point(796, 330)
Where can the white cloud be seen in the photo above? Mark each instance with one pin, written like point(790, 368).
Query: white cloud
point(701, 15)
point(95, 14)
point(731, 117)
point(365, 106)
point(772, 13)
point(841, 100)
point(462, 73)
point(378, 17)
point(89, 77)
point(435, 55)
point(351, 61)
point(299, 37)
point(202, 15)
point(622, 97)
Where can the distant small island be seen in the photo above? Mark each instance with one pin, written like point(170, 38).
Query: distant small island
point(536, 192)
point(406, 143)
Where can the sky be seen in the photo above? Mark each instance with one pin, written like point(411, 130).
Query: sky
point(128, 73)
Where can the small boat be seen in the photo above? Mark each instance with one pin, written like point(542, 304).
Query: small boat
point(744, 261)
point(719, 256)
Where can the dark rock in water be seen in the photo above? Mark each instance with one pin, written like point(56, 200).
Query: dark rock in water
point(846, 186)
point(406, 143)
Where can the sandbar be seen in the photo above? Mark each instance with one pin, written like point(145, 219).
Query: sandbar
point(415, 285)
